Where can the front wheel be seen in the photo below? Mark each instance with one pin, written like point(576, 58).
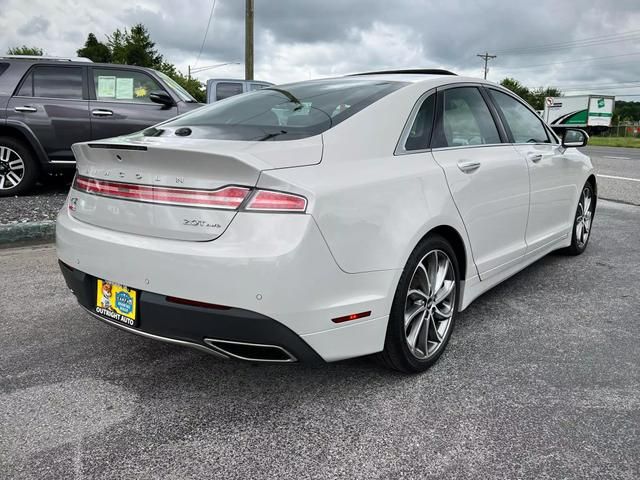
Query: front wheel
point(424, 307)
point(583, 221)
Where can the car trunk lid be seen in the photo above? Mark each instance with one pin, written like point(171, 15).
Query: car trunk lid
point(183, 189)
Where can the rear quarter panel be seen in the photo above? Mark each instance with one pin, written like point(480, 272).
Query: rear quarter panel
point(372, 206)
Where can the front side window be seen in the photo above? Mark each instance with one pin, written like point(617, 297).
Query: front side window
point(114, 85)
point(53, 82)
point(525, 125)
point(227, 89)
point(466, 120)
point(285, 112)
point(420, 133)
point(256, 86)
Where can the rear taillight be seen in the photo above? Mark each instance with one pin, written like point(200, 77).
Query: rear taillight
point(228, 198)
point(269, 201)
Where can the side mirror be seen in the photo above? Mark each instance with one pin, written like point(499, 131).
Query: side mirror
point(574, 137)
point(163, 98)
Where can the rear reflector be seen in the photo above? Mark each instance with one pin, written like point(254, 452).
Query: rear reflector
point(270, 201)
point(353, 316)
point(226, 198)
point(195, 303)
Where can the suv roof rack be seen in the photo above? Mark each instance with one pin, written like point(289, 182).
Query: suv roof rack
point(408, 71)
point(42, 57)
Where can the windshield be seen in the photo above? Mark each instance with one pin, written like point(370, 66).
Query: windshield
point(175, 86)
point(285, 112)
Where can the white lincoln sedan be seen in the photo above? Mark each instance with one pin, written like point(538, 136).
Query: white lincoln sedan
point(322, 220)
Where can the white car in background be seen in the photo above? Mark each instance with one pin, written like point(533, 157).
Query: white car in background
point(322, 220)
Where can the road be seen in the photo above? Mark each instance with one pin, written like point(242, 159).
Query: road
point(541, 380)
point(618, 171)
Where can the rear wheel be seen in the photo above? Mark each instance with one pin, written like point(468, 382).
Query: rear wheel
point(583, 221)
point(18, 169)
point(424, 307)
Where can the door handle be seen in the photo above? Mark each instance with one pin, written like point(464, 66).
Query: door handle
point(26, 108)
point(535, 157)
point(468, 166)
point(101, 113)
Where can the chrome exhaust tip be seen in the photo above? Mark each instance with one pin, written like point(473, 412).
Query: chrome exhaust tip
point(251, 352)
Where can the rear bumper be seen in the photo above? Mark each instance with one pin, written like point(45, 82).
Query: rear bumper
point(275, 271)
point(207, 329)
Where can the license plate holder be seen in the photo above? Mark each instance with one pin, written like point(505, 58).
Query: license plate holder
point(117, 303)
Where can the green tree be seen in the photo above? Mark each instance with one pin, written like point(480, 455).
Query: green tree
point(534, 97)
point(94, 50)
point(192, 85)
point(134, 47)
point(516, 87)
point(24, 50)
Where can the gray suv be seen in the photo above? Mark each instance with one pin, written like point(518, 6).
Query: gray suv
point(47, 104)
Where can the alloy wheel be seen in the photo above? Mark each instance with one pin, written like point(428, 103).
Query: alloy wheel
point(583, 219)
point(11, 168)
point(429, 304)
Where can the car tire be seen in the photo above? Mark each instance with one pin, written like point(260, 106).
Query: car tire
point(18, 168)
point(424, 307)
point(581, 230)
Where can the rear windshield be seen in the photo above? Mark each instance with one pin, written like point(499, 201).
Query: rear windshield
point(284, 112)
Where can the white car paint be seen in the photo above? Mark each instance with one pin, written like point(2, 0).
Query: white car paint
point(368, 207)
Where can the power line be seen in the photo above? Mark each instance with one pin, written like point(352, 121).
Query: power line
point(585, 42)
point(591, 59)
point(213, 5)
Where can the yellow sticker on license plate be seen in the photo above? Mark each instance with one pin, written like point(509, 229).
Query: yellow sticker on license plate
point(116, 302)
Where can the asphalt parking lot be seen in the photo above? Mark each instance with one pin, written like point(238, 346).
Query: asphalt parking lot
point(541, 380)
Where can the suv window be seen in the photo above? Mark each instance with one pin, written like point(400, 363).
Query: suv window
point(3, 67)
point(420, 133)
point(227, 89)
point(525, 125)
point(466, 120)
point(123, 85)
point(53, 82)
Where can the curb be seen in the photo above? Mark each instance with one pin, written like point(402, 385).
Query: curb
point(28, 232)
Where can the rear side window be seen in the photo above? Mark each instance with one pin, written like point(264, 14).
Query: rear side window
point(466, 120)
point(53, 82)
point(3, 67)
point(420, 133)
point(286, 112)
point(227, 89)
point(123, 85)
point(525, 125)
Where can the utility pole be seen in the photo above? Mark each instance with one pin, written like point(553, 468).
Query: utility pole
point(189, 74)
point(486, 57)
point(248, 41)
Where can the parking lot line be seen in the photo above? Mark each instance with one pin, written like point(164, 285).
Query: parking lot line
point(619, 178)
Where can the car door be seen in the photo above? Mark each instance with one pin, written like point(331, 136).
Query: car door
point(488, 179)
point(52, 102)
point(552, 173)
point(120, 102)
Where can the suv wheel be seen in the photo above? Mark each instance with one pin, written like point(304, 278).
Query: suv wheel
point(18, 169)
point(424, 307)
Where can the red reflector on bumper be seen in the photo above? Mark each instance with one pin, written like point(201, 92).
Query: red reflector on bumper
point(353, 316)
point(195, 303)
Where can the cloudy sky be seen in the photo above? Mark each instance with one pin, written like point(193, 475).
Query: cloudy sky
point(575, 45)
